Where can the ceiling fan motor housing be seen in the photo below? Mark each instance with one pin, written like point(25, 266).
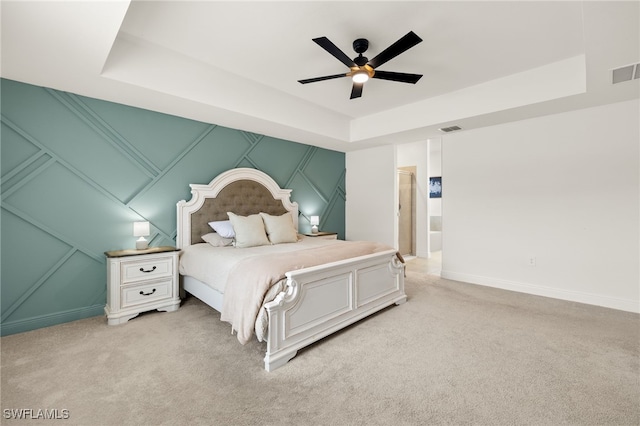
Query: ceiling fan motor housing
point(361, 45)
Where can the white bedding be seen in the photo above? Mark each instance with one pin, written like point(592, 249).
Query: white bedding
point(211, 265)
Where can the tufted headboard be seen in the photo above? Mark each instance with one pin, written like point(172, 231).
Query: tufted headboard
point(242, 191)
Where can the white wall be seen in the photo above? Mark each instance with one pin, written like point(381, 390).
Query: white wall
point(563, 189)
point(435, 204)
point(371, 204)
point(416, 154)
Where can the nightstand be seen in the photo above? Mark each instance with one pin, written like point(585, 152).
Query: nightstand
point(141, 280)
point(324, 235)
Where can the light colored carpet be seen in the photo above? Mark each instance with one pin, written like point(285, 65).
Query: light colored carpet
point(453, 354)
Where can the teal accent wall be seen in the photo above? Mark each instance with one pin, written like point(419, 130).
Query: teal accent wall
point(77, 172)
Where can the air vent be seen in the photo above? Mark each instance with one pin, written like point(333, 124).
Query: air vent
point(450, 129)
point(626, 73)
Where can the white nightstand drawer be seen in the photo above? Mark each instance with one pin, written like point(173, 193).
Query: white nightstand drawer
point(145, 293)
point(145, 270)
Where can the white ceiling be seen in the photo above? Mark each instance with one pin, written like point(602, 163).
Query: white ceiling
point(237, 63)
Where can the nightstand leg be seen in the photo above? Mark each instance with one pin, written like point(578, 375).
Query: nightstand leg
point(120, 320)
point(170, 308)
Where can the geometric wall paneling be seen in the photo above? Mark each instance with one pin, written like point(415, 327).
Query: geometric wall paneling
point(278, 158)
point(326, 171)
point(42, 276)
point(309, 203)
point(331, 218)
point(196, 162)
point(76, 282)
point(14, 143)
point(77, 172)
point(124, 166)
point(192, 164)
point(63, 134)
point(158, 138)
point(20, 237)
point(312, 201)
point(84, 216)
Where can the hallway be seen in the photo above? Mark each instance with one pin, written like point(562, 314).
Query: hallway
point(431, 266)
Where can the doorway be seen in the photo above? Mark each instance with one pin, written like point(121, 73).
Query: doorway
point(406, 210)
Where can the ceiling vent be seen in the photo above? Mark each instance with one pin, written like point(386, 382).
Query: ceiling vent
point(450, 129)
point(626, 73)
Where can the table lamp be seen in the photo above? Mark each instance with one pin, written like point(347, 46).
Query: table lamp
point(141, 229)
point(314, 221)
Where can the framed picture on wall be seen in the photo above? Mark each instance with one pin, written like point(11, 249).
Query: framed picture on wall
point(435, 187)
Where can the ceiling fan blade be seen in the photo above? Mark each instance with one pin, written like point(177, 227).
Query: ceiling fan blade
point(398, 76)
point(356, 90)
point(326, 77)
point(405, 43)
point(327, 45)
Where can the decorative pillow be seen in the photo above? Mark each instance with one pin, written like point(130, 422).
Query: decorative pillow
point(223, 228)
point(249, 230)
point(216, 240)
point(280, 228)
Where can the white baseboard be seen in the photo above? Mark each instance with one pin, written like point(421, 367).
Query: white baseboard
point(555, 293)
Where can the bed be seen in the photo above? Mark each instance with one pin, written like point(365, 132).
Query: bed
point(326, 285)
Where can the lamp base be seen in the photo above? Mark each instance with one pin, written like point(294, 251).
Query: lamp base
point(142, 244)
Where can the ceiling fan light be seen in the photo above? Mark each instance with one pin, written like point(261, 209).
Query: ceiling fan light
point(360, 77)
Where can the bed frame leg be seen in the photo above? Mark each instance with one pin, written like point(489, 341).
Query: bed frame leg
point(271, 363)
point(401, 300)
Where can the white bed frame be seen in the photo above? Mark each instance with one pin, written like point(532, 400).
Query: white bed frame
point(317, 301)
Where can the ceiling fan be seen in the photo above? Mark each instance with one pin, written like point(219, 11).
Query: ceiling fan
point(362, 69)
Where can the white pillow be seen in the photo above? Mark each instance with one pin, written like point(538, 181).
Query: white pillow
point(280, 228)
point(223, 228)
point(216, 240)
point(249, 230)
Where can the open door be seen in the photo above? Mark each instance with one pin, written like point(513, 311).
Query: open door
point(406, 211)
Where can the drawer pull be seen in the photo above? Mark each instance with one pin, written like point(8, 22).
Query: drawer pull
point(148, 294)
point(148, 270)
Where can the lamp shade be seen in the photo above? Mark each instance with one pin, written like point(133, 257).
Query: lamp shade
point(141, 229)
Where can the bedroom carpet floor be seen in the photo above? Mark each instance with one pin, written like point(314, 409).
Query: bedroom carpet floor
point(454, 354)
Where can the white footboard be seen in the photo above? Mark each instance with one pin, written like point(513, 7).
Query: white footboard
point(323, 299)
